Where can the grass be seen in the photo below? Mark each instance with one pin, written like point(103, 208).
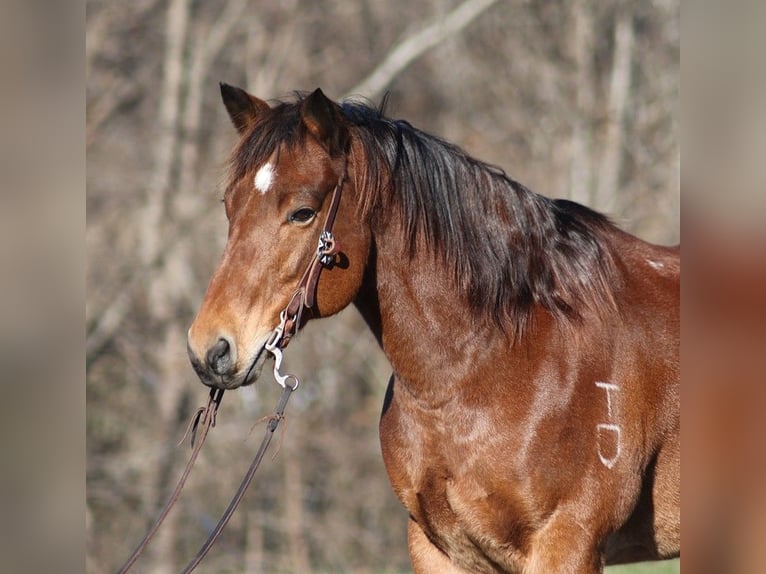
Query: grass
point(664, 567)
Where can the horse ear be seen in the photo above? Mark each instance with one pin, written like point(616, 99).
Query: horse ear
point(322, 117)
point(242, 107)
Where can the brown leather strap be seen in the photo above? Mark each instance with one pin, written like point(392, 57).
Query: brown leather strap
point(304, 296)
point(201, 422)
point(270, 428)
point(334, 203)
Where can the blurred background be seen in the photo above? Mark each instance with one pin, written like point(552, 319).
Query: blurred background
point(575, 99)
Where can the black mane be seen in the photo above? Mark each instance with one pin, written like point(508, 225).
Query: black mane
point(506, 247)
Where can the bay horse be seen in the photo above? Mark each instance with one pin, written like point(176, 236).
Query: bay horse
point(532, 421)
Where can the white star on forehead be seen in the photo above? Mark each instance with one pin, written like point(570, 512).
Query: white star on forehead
point(264, 178)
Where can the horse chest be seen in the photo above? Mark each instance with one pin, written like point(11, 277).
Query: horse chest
point(442, 482)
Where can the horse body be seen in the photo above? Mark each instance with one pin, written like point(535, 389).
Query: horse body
point(486, 441)
point(532, 420)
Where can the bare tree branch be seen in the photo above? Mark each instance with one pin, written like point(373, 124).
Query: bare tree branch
point(96, 31)
point(415, 46)
point(107, 322)
point(206, 49)
point(271, 54)
point(119, 88)
point(117, 93)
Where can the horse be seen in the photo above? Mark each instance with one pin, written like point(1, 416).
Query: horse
point(532, 420)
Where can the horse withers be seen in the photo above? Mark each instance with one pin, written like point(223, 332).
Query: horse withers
point(532, 421)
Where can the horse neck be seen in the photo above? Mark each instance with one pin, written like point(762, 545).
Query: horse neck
point(411, 297)
point(429, 334)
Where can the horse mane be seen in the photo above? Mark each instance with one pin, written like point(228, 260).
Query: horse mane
point(507, 249)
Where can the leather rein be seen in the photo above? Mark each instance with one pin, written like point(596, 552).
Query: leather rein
point(303, 298)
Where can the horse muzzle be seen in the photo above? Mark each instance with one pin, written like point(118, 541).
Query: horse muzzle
point(219, 366)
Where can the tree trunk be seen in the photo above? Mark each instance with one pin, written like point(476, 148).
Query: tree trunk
point(294, 521)
point(580, 171)
point(170, 393)
point(163, 291)
point(253, 543)
point(619, 92)
point(167, 137)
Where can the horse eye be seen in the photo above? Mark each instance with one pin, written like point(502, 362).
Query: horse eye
point(302, 215)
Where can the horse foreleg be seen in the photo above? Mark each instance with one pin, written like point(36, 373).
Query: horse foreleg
point(427, 558)
point(564, 545)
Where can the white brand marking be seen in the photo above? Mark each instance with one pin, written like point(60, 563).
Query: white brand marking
point(608, 387)
point(604, 429)
point(615, 430)
point(264, 178)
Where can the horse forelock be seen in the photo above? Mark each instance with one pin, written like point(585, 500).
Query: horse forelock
point(277, 127)
point(507, 248)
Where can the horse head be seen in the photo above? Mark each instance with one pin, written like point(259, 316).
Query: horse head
point(284, 170)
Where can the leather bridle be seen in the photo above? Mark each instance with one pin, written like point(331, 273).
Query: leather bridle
point(304, 296)
point(291, 316)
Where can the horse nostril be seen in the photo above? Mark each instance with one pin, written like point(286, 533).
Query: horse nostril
point(219, 357)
